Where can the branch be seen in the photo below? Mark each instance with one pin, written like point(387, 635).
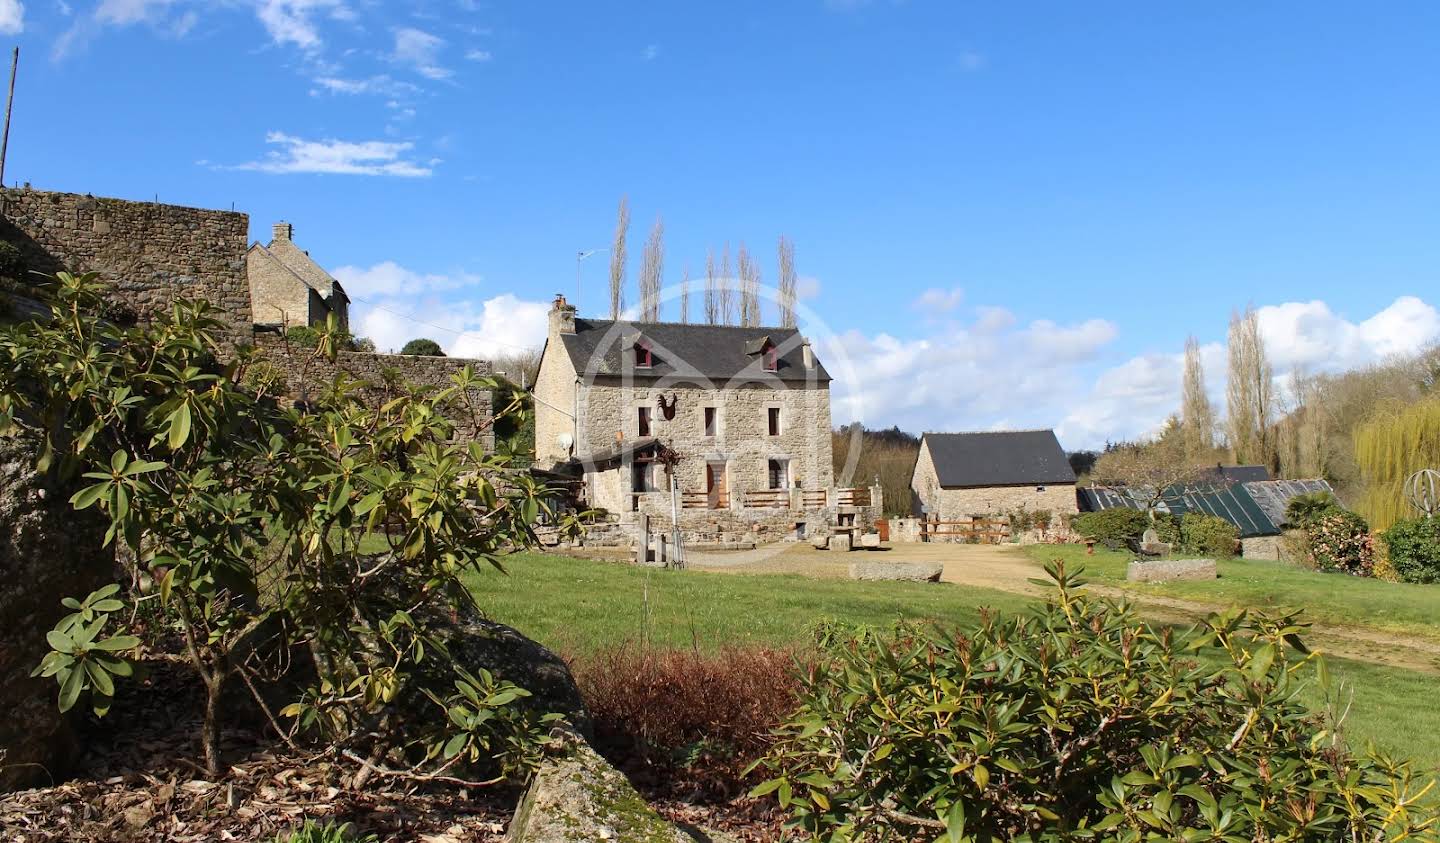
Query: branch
point(410, 775)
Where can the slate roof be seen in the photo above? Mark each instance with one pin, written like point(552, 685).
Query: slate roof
point(1274, 495)
point(699, 353)
point(998, 458)
point(1242, 473)
point(304, 267)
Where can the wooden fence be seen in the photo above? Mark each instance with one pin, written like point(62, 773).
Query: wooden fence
point(974, 530)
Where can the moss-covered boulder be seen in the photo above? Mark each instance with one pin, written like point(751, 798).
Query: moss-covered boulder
point(577, 797)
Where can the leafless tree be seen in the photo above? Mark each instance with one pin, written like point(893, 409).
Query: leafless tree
point(1249, 392)
point(652, 273)
point(712, 290)
point(1156, 472)
point(727, 289)
point(520, 366)
point(748, 272)
point(685, 296)
point(617, 260)
point(1197, 416)
point(787, 283)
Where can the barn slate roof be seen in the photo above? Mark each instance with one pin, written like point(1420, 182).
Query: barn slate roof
point(685, 352)
point(998, 458)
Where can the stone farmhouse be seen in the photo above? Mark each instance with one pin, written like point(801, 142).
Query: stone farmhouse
point(726, 427)
point(995, 473)
point(288, 288)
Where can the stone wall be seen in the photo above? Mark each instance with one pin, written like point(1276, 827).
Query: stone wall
point(302, 368)
point(151, 253)
point(47, 552)
point(1261, 547)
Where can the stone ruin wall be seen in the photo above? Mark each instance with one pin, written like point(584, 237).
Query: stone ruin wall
point(152, 253)
point(302, 367)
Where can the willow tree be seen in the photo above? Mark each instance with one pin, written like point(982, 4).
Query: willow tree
point(617, 259)
point(1197, 416)
point(1394, 444)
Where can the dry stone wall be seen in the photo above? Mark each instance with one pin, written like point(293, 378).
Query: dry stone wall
point(302, 369)
point(151, 253)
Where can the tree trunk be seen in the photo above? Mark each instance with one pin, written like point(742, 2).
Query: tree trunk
point(210, 731)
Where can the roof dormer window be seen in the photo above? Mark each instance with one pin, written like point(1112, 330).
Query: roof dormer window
point(643, 358)
point(772, 360)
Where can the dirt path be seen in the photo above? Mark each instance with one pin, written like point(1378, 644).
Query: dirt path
point(1007, 568)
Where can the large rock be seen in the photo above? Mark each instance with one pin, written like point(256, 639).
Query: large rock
point(901, 571)
point(841, 541)
point(577, 797)
point(47, 552)
point(1173, 569)
point(476, 642)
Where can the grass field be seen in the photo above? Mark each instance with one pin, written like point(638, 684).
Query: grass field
point(1326, 598)
point(579, 606)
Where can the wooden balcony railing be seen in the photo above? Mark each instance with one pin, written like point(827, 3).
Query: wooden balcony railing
point(768, 499)
point(812, 498)
point(852, 497)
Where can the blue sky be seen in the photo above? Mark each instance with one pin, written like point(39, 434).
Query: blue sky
point(1006, 215)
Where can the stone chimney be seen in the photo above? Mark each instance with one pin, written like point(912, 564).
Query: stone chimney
point(807, 354)
point(562, 316)
point(282, 231)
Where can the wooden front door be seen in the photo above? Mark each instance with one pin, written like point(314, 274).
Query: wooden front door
point(882, 527)
point(715, 485)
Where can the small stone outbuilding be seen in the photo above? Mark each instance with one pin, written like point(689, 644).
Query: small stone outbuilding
point(992, 473)
point(288, 288)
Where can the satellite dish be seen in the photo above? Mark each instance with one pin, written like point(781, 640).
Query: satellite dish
point(565, 441)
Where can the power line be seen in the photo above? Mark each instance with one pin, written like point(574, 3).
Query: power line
point(436, 327)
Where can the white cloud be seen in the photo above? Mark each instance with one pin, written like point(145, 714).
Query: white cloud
point(941, 301)
point(499, 326)
point(12, 17)
point(124, 12)
point(1134, 398)
point(478, 55)
point(365, 158)
point(293, 21)
point(967, 376)
point(807, 287)
point(421, 51)
point(650, 53)
point(389, 278)
point(380, 85)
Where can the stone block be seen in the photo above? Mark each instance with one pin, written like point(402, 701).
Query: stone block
point(820, 542)
point(841, 542)
point(870, 541)
point(901, 571)
point(1170, 569)
point(1154, 548)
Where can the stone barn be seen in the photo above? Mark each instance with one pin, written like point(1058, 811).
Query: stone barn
point(994, 473)
point(288, 288)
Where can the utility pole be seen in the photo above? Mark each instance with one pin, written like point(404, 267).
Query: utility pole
point(9, 103)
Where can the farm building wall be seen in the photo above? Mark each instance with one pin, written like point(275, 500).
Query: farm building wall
point(305, 372)
point(151, 253)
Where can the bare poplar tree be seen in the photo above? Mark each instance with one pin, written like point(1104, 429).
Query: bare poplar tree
point(1249, 393)
point(787, 283)
point(617, 260)
point(712, 290)
point(748, 272)
point(727, 289)
point(685, 296)
point(1198, 418)
point(652, 273)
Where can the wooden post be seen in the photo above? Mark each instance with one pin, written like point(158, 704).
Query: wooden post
point(9, 104)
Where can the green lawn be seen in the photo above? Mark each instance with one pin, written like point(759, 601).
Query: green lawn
point(577, 606)
point(1326, 598)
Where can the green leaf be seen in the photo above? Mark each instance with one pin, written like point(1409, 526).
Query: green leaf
point(59, 641)
point(118, 643)
point(70, 689)
point(179, 426)
point(455, 745)
point(86, 498)
point(955, 822)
